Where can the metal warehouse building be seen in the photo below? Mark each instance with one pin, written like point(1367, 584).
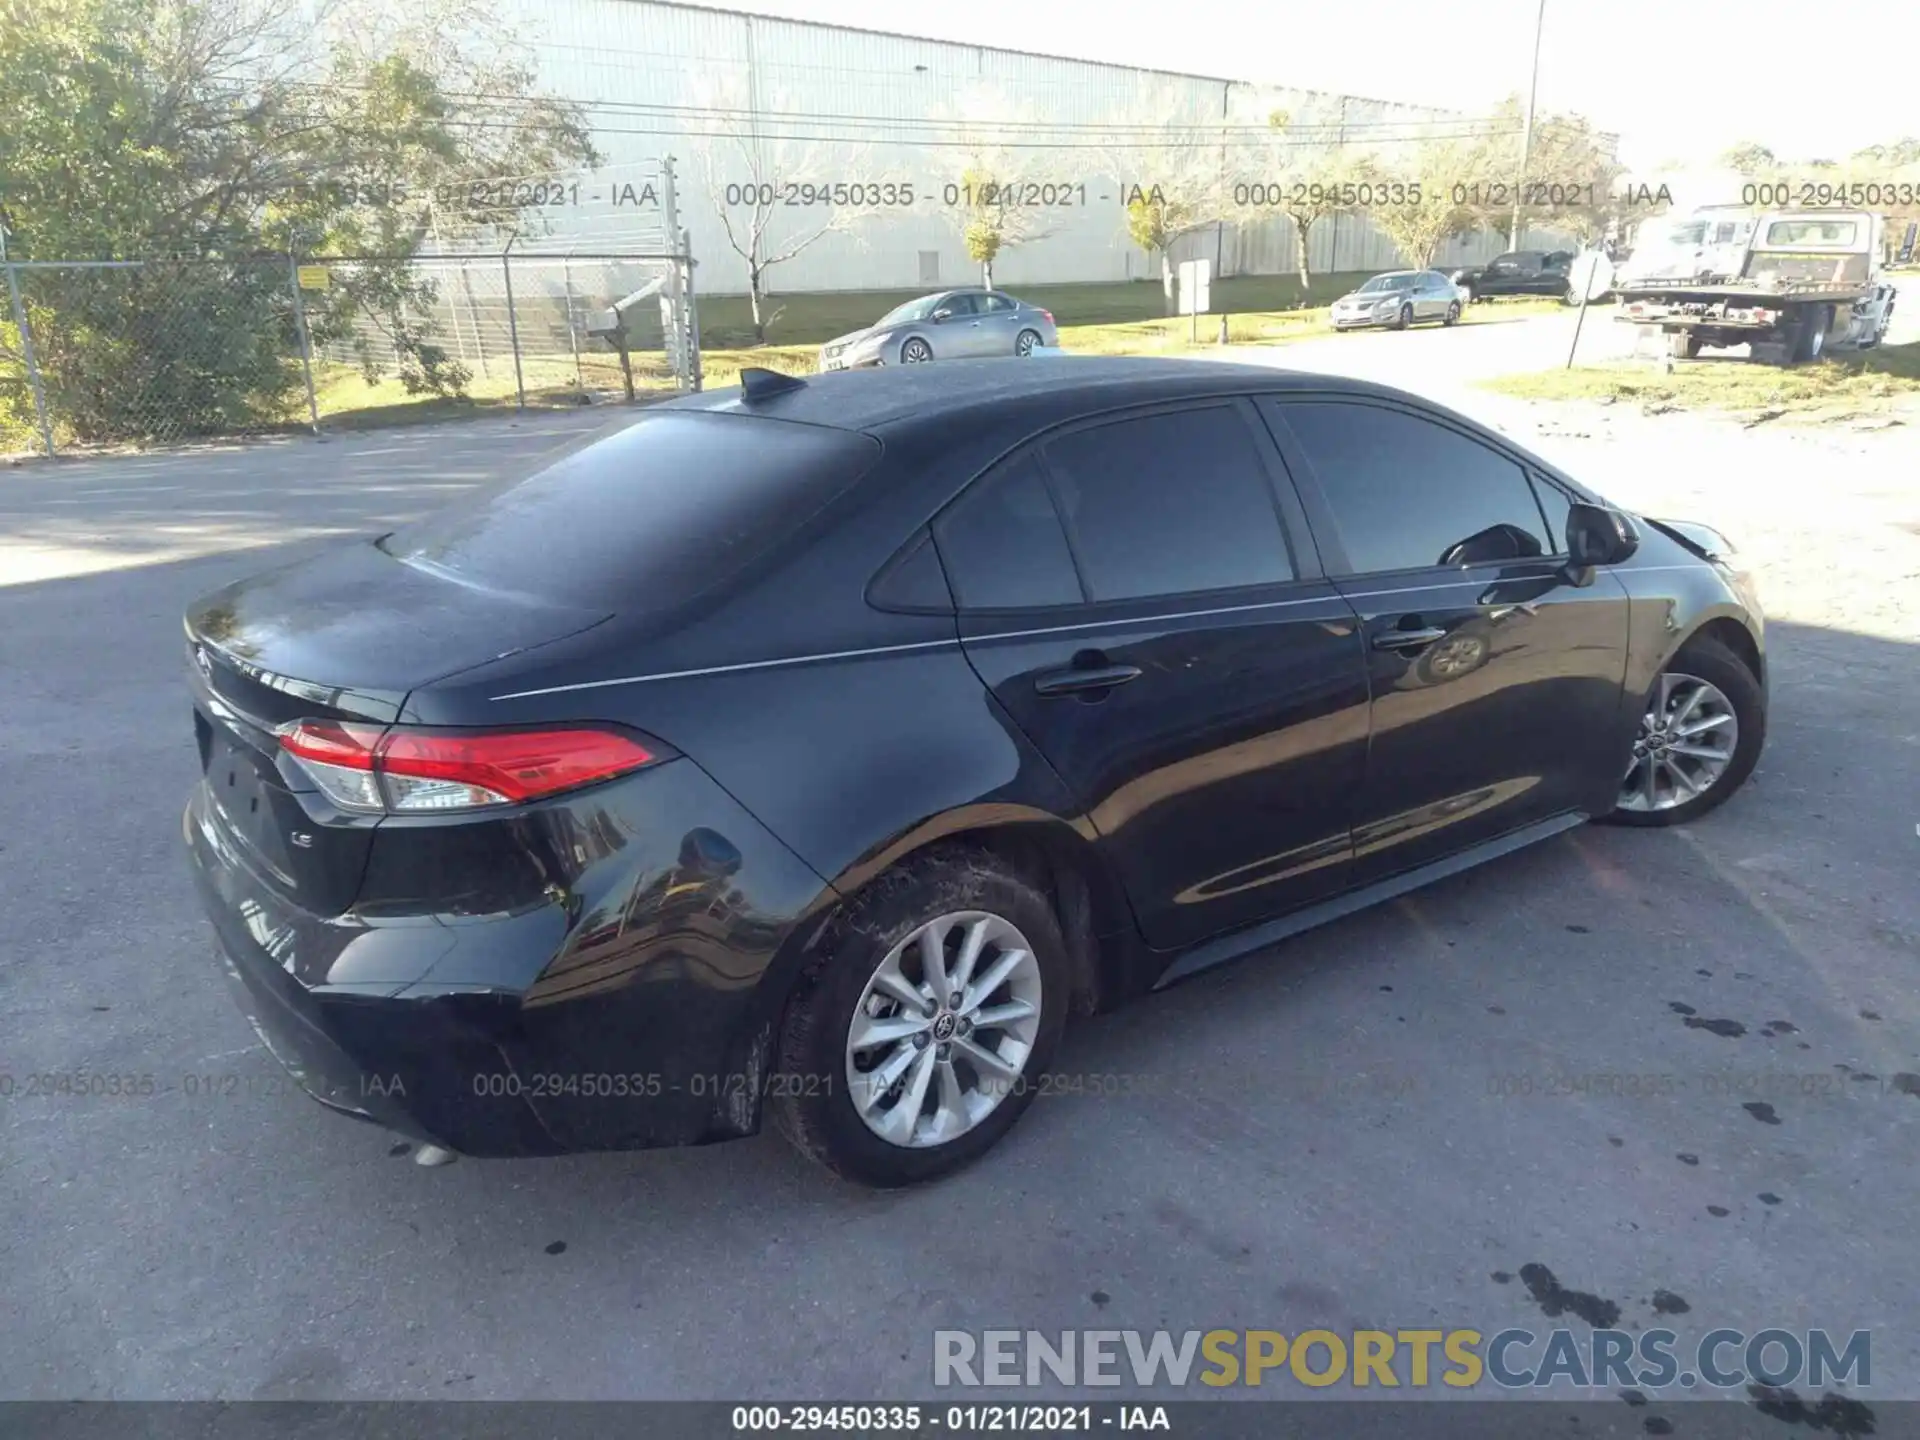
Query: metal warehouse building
point(823, 106)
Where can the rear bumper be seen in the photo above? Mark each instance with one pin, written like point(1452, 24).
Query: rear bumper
point(537, 1032)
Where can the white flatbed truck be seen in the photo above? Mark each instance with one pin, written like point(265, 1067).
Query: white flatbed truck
point(1809, 284)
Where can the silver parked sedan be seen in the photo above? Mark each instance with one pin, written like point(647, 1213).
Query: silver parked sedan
point(952, 325)
point(1398, 299)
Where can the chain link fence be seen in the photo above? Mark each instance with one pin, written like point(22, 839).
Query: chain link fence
point(107, 353)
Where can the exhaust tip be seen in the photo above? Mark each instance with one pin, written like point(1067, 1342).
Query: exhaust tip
point(431, 1155)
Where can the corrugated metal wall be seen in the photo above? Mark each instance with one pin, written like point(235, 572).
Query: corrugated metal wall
point(823, 105)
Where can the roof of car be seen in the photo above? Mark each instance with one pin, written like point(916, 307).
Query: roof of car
point(870, 399)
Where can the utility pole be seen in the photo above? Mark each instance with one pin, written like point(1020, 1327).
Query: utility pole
point(1526, 135)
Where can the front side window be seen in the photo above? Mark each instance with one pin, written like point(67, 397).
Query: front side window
point(1407, 493)
point(1169, 504)
point(913, 310)
point(1557, 506)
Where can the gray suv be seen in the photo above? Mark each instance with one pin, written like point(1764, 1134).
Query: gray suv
point(950, 325)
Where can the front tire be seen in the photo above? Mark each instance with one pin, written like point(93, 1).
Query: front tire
point(1404, 318)
point(1701, 731)
point(1452, 315)
point(886, 1080)
point(915, 352)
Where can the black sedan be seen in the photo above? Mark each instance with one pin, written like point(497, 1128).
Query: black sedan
point(814, 750)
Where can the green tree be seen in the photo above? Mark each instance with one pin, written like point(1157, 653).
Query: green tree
point(1440, 170)
point(1301, 174)
point(1571, 173)
point(215, 133)
point(1749, 158)
point(1174, 171)
point(992, 174)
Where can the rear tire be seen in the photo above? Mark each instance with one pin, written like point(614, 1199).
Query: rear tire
point(876, 944)
point(1024, 342)
point(1809, 341)
point(1701, 659)
point(1683, 345)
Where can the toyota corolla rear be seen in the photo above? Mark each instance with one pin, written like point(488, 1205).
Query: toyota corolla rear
point(502, 939)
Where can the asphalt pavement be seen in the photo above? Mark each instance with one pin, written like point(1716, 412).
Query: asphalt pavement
point(1649, 1063)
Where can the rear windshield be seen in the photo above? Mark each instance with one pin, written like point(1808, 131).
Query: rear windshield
point(646, 519)
point(1810, 232)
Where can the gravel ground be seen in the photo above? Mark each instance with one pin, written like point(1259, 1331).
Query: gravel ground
point(1368, 1125)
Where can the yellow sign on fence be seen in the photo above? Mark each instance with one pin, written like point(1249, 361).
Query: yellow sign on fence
point(314, 277)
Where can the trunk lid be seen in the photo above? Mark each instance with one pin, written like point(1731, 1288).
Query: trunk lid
point(345, 636)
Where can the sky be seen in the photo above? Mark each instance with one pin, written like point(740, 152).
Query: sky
point(1472, 55)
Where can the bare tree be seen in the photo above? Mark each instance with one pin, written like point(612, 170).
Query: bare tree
point(1175, 171)
point(1000, 184)
point(778, 196)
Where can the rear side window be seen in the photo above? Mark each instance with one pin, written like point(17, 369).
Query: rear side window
point(668, 509)
point(1002, 543)
point(1169, 504)
point(1407, 493)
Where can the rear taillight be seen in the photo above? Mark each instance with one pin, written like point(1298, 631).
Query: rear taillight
point(1047, 315)
point(411, 771)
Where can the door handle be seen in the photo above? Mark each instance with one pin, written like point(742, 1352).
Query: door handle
point(1407, 639)
point(1097, 677)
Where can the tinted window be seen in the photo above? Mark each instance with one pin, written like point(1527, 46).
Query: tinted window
point(913, 581)
point(998, 304)
point(1557, 506)
point(1003, 546)
point(1168, 504)
point(960, 304)
point(665, 510)
point(1407, 493)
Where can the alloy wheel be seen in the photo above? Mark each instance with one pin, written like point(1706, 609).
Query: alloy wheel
point(1023, 343)
point(943, 1029)
point(915, 352)
point(1687, 738)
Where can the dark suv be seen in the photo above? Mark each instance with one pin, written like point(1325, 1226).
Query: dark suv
point(814, 750)
point(1518, 272)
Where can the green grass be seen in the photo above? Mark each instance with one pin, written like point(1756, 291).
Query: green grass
point(1871, 380)
point(1122, 318)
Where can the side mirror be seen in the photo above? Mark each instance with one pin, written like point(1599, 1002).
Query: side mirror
point(940, 317)
point(1597, 535)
